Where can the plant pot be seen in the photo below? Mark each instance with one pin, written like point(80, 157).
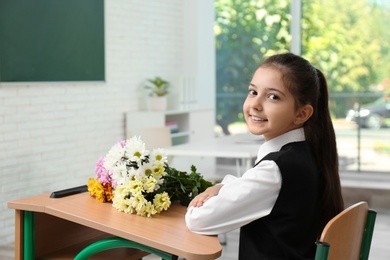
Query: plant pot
point(158, 103)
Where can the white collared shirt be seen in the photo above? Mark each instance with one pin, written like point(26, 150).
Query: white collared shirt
point(242, 200)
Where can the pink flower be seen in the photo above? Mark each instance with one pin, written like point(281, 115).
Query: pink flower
point(122, 143)
point(102, 173)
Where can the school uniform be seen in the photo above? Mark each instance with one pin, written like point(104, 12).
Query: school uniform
point(276, 203)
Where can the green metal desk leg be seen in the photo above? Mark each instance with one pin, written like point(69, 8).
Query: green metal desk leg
point(117, 242)
point(28, 235)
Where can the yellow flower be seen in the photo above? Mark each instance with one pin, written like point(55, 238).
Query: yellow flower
point(128, 208)
point(149, 184)
point(102, 193)
point(96, 189)
point(140, 202)
point(161, 201)
point(135, 186)
point(147, 209)
point(108, 192)
point(119, 200)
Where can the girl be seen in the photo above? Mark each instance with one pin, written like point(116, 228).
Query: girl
point(283, 202)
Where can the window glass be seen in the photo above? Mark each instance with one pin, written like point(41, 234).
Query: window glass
point(245, 32)
point(348, 40)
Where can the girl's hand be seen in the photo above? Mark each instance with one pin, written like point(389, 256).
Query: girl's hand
point(201, 198)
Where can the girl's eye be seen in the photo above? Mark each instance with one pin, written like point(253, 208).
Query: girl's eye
point(251, 92)
point(273, 97)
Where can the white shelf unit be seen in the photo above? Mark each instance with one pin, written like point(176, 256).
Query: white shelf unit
point(192, 125)
point(182, 118)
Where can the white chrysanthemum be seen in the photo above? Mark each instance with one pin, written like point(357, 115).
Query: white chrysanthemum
point(145, 170)
point(132, 173)
point(119, 172)
point(159, 156)
point(114, 156)
point(135, 150)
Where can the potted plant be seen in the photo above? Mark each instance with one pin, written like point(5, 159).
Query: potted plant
point(158, 93)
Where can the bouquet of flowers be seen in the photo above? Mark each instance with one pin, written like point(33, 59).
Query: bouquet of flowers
point(141, 182)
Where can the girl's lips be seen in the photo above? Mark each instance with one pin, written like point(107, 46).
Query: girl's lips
point(254, 118)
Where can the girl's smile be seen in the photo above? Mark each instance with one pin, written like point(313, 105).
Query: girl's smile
point(254, 118)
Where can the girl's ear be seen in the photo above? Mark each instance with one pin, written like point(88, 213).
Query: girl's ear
point(303, 114)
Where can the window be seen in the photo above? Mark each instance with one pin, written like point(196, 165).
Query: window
point(347, 39)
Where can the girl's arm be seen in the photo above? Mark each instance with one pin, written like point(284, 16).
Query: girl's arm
point(235, 202)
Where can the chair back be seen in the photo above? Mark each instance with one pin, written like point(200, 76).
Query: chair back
point(154, 137)
point(348, 235)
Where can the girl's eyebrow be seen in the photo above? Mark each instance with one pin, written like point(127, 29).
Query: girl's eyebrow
point(277, 90)
point(269, 89)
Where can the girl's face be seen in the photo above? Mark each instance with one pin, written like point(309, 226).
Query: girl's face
point(269, 108)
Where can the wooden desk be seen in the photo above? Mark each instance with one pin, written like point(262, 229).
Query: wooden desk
point(243, 148)
point(64, 226)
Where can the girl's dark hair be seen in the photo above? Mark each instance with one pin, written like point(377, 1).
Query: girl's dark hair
point(308, 86)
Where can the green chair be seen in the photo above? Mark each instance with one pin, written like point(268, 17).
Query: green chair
point(348, 235)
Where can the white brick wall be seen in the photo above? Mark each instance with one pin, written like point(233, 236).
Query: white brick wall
point(51, 134)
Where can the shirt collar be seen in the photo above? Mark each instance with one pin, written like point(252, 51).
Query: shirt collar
point(275, 144)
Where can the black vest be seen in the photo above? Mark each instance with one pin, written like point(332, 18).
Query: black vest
point(290, 230)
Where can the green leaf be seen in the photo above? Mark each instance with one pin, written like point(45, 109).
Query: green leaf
point(182, 186)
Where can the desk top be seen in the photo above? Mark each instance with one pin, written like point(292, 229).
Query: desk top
point(243, 146)
point(165, 231)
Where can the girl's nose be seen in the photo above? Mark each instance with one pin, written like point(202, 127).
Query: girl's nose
point(257, 105)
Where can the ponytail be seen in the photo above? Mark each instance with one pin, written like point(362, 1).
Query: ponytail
point(320, 134)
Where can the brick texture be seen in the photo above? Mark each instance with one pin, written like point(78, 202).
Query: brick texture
point(52, 133)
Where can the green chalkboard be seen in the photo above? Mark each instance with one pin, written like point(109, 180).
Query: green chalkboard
point(51, 40)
